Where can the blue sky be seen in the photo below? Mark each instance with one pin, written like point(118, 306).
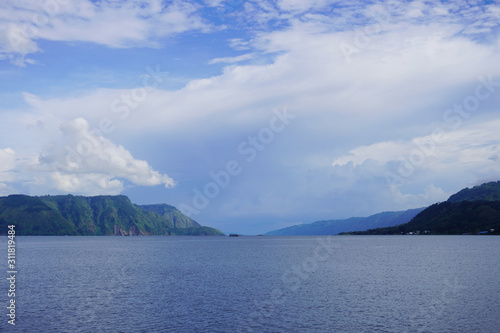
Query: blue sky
point(251, 115)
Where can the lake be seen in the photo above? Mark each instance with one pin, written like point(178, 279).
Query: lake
point(256, 284)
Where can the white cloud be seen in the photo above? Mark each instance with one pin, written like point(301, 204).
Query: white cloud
point(470, 154)
point(478, 143)
point(403, 80)
point(7, 159)
point(239, 44)
point(430, 194)
point(88, 184)
point(302, 6)
point(232, 60)
point(7, 165)
point(213, 3)
point(87, 163)
point(138, 23)
point(123, 24)
point(14, 45)
point(382, 152)
point(313, 76)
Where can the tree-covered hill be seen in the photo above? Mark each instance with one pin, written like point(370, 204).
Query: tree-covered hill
point(171, 213)
point(32, 217)
point(486, 192)
point(99, 215)
point(470, 211)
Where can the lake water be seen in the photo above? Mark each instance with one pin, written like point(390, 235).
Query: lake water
point(256, 284)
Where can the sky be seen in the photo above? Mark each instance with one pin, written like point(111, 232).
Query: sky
point(250, 116)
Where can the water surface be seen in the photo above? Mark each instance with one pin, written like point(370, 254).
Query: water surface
point(257, 284)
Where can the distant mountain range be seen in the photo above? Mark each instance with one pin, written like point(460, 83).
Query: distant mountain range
point(332, 227)
point(99, 215)
point(469, 211)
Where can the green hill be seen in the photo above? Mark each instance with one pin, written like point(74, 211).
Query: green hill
point(486, 192)
point(332, 227)
point(171, 213)
point(99, 215)
point(32, 217)
point(470, 211)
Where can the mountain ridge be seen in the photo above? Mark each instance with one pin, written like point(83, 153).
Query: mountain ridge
point(473, 210)
point(96, 215)
point(330, 227)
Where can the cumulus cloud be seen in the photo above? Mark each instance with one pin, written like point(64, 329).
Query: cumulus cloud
point(85, 162)
point(89, 184)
